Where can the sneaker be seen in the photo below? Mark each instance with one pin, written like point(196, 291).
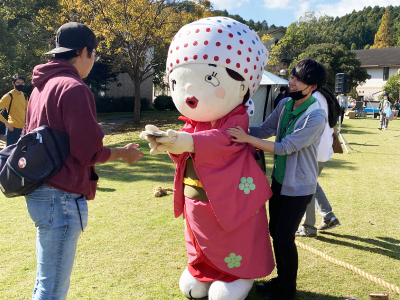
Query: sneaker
point(303, 232)
point(380, 128)
point(384, 128)
point(270, 286)
point(326, 225)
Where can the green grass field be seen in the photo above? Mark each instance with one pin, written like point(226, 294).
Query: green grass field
point(133, 247)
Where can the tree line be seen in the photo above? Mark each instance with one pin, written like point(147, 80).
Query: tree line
point(135, 35)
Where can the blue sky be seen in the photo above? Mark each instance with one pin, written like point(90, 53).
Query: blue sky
point(284, 12)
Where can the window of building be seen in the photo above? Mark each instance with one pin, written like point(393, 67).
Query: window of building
point(385, 73)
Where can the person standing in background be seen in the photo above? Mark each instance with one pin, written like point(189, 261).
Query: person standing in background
point(319, 199)
point(17, 110)
point(344, 103)
point(281, 95)
point(383, 106)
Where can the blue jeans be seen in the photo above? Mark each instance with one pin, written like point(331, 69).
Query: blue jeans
point(13, 136)
point(60, 217)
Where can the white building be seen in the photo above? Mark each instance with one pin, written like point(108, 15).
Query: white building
point(380, 64)
point(276, 35)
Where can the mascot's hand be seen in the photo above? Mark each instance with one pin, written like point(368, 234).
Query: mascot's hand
point(176, 142)
point(144, 135)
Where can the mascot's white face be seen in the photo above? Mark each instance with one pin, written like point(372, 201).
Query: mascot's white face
point(205, 92)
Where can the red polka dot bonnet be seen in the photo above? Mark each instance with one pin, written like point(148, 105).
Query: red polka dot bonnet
point(221, 41)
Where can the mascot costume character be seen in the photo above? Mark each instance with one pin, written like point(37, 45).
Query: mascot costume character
point(214, 66)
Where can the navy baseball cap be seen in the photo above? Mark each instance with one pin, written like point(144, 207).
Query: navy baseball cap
point(74, 36)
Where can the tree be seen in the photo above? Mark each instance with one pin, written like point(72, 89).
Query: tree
point(23, 39)
point(392, 86)
point(132, 31)
point(336, 60)
point(353, 46)
point(7, 56)
point(384, 38)
point(310, 29)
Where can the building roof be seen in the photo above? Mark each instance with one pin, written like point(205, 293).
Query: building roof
point(271, 31)
point(379, 57)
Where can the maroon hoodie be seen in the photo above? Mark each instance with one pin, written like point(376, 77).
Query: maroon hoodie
point(63, 101)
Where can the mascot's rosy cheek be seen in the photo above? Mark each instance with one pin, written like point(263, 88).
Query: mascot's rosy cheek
point(214, 66)
point(220, 93)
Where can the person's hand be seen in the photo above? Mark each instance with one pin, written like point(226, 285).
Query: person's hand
point(239, 136)
point(131, 154)
point(175, 142)
point(9, 126)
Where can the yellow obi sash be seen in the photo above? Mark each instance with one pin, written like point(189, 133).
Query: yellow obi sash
point(192, 186)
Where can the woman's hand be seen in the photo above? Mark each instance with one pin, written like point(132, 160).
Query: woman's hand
point(239, 136)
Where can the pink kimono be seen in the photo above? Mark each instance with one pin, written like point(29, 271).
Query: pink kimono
point(227, 238)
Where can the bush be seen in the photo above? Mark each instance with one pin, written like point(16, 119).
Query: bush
point(145, 104)
point(164, 103)
point(121, 104)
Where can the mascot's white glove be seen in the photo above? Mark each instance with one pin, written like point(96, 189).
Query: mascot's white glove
point(175, 142)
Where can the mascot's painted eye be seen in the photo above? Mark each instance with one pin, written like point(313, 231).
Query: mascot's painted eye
point(173, 83)
point(212, 79)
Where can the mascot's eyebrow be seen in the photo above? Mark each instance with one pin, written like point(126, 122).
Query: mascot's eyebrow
point(212, 65)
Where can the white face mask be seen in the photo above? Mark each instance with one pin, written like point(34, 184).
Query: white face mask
point(385, 97)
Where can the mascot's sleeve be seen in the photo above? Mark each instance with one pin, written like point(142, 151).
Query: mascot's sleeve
point(235, 185)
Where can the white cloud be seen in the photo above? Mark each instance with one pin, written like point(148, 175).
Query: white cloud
point(343, 7)
point(302, 8)
point(284, 4)
point(228, 4)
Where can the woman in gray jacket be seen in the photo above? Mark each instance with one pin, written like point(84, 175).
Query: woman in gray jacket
point(298, 122)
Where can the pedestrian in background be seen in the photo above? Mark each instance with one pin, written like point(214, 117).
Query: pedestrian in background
point(16, 111)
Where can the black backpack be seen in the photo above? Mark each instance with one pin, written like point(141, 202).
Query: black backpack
point(4, 112)
point(34, 159)
point(334, 110)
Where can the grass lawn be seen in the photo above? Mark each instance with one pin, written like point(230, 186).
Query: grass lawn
point(133, 247)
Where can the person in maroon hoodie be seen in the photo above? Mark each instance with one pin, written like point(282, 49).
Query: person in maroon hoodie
point(64, 102)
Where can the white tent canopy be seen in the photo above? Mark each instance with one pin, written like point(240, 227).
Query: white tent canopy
point(264, 97)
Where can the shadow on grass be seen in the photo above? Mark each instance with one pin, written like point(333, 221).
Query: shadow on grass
point(109, 190)
point(303, 295)
point(345, 131)
point(157, 168)
point(300, 295)
point(142, 170)
point(365, 144)
point(387, 246)
point(339, 164)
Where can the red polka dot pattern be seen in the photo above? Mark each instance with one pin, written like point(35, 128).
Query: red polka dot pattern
point(221, 41)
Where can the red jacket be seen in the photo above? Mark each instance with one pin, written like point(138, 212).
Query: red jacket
point(64, 102)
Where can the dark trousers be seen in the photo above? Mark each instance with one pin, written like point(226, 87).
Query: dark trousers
point(13, 136)
point(342, 115)
point(285, 214)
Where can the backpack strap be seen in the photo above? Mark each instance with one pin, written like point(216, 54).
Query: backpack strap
point(9, 107)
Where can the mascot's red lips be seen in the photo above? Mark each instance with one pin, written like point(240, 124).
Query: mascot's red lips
point(192, 102)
